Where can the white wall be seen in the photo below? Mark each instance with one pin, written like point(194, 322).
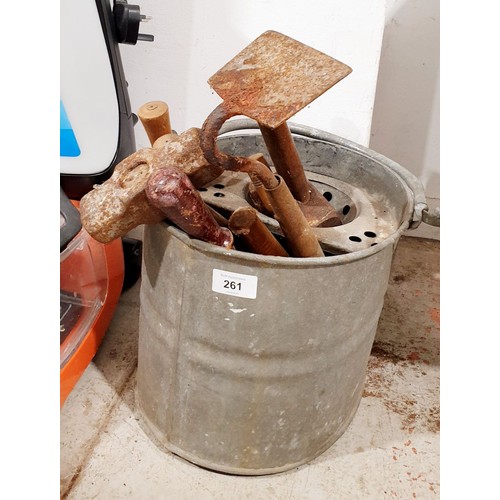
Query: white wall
point(406, 115)
point(195, 38)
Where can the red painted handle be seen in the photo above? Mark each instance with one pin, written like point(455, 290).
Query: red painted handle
point(170, 190)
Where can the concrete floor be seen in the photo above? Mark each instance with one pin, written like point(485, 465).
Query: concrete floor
point(391, 448)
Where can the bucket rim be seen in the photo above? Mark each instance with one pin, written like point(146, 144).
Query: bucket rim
point(413, 186)
point(410, 180)
point(330, 260)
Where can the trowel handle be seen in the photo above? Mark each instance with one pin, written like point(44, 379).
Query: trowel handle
point(286, 160)
point(208, 143)
point(170, 190)
point(155, 118)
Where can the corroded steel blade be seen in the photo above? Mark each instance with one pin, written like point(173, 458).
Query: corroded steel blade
point(276, 76)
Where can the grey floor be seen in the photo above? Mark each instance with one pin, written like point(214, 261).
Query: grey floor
point(390, 450)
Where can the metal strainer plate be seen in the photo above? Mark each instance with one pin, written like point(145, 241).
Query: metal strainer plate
point(365, 220)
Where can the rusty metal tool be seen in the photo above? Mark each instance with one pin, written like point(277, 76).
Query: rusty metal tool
point(171, 191)
point(245, 223)
point(111, 209)
point(299, 235)
point(269, 81)
point(185, 148)
point(256, 191)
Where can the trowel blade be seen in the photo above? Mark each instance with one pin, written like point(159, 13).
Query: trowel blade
point(276, 76)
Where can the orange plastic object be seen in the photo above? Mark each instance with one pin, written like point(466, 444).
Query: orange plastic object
point(92, 274)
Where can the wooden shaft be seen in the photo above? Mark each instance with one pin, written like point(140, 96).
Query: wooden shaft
point(162, 140)
point(286, 160)
point(172, 192)
point(245, 222)
point(155, 118)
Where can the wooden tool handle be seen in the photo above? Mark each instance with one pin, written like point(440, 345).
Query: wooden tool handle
point(162, 140)
point(155, 118)
point(245, 222)
point(172, 192)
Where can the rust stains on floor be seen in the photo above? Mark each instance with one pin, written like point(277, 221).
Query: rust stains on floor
point(405, 354)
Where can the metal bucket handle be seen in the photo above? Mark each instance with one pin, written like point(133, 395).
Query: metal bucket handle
point(420, 209)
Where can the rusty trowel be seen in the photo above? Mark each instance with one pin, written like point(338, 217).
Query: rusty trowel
point(269, 81)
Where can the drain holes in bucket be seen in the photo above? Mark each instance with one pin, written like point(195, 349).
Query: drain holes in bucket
point(368, 234)
point(342, 202)
point(219, 186)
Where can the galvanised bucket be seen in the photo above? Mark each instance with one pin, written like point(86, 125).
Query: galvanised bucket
point(250, 364)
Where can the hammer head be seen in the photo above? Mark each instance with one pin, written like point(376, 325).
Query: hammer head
point(275, 77)
point(120, 203)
